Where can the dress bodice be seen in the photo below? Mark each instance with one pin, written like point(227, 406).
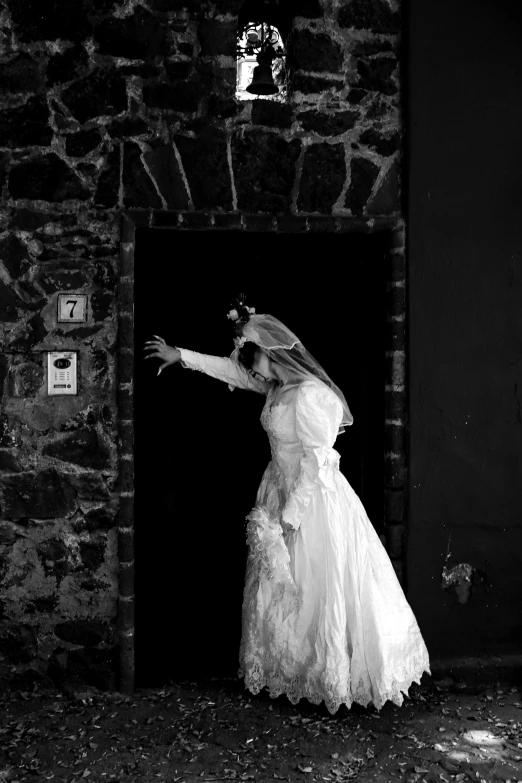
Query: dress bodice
point(278, 419)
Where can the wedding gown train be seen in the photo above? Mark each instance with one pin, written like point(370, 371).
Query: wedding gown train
point(324, 616)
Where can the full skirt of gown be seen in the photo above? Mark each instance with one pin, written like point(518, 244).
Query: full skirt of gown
point(324, 615)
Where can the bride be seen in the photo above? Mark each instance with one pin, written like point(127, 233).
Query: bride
point(324, 616)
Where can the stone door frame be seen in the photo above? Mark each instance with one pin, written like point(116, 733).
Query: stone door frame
point(395, 458)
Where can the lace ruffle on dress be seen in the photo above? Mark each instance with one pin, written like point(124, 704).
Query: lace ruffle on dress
point(324, 615)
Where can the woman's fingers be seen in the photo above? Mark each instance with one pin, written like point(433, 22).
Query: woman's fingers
point(157, 341)
point(157, 355)
point(152, 346)
point(158, 349)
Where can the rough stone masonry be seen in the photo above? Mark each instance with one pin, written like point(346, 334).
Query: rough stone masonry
point(115, 106)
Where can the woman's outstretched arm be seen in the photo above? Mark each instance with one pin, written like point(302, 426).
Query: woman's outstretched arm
point(220, 367)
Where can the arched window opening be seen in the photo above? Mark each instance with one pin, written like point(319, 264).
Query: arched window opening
point(261, 62)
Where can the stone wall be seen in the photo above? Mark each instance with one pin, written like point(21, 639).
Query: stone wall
point(109, 107)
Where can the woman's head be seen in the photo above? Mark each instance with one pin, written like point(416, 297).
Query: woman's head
point(247, 354)
point(275, 353)
point(256, 361)
point(262, 363)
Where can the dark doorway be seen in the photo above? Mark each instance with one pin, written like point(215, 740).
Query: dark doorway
point(199, 448)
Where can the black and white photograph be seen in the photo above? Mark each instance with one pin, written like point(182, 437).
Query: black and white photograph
point(261, 391)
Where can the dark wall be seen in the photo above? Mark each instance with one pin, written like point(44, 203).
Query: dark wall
point(465, 284)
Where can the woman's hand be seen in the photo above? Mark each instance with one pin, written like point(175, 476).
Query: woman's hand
point(158, 349)
point(287, 528)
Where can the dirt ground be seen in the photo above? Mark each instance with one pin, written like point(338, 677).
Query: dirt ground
point(215, 730)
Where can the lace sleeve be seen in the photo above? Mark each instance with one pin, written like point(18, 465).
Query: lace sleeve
point(318, 414)
point(223, 369)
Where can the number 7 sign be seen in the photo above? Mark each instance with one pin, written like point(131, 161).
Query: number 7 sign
point(72, 308)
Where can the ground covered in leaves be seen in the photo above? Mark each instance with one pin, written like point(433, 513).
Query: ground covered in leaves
point(214, 730)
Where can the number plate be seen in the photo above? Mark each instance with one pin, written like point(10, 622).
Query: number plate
point(72, 308)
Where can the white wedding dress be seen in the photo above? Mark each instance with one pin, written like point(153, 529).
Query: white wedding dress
point(324, 615)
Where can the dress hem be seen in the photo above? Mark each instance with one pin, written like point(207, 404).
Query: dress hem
point(297, 690)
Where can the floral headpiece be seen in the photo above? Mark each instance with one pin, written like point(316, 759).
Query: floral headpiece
point(240, 314)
